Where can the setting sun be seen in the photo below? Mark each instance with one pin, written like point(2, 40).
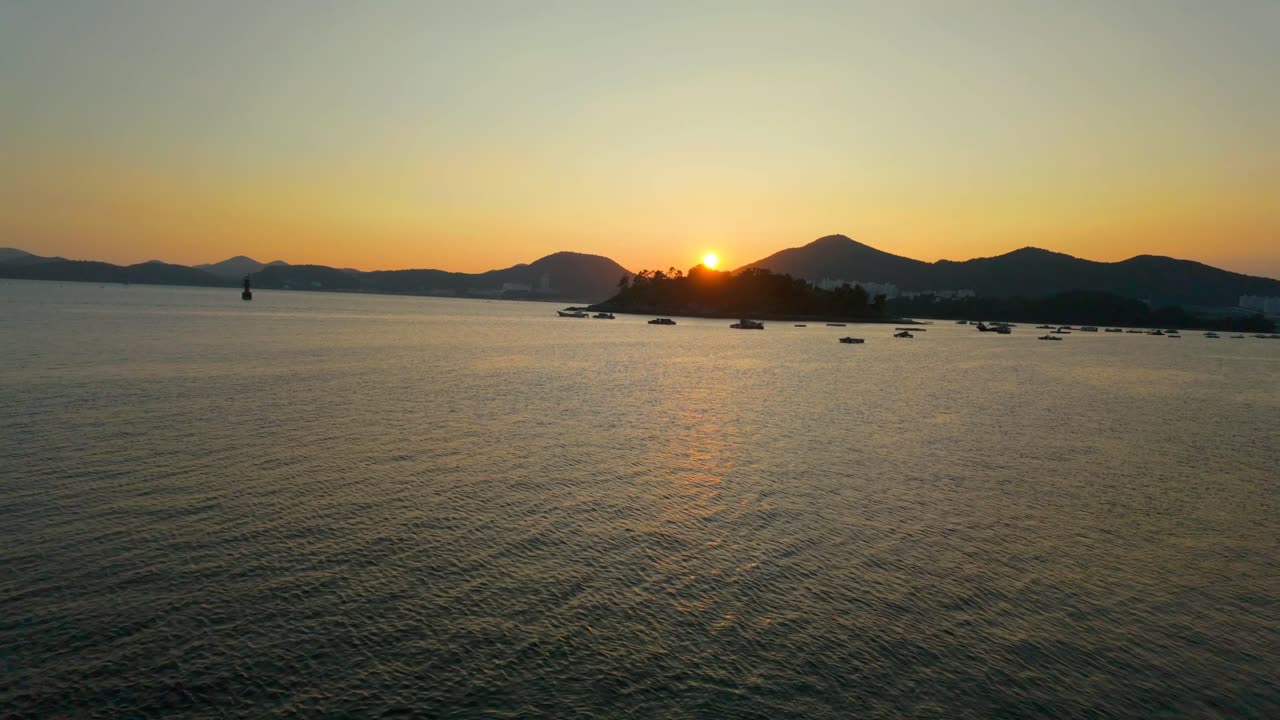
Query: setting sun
point(710, 260)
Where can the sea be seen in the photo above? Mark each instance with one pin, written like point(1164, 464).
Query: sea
point(339, 505)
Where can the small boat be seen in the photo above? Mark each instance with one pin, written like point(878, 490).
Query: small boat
point(1171, 332)
point(1044, 327)
point(801, 326)
point(662, 321)
point(1212, 335)
point(1174, 336)
point(1113, 330)
point(1049, 337)
point(1237, 337)
point(571, 313)
point(835, 324)
point(1088, 328)
point(912, 329)
point(603, 316)
point(1003, 330)
point(852, 340)
point(903, 334)
point(1133, 332)
point(962, 322)
point(1065, 327)
point(745, 324)
point(1155, 332)
point(983, 327)
point(1060, 331)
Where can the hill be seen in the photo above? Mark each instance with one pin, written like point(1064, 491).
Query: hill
point(1028, 272)
point(149, 273)
point(14, 256)
point(566, 275)
point(236, 267)
point(559, 276)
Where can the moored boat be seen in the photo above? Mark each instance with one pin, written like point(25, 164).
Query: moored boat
point(1049, 337)
point(662, 321)
point(852, 340)
point(903, 334)
point(571, 313)
point(603, 316)
point(745, 324)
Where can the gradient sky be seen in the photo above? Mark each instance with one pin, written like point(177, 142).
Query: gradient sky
point(474, 135)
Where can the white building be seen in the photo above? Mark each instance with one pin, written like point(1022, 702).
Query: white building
point(1267, 305)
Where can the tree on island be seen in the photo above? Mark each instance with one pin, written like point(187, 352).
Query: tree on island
point(753, 292)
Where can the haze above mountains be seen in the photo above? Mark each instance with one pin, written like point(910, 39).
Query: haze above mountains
point(1027, 272)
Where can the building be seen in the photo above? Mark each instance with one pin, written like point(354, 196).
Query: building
point(1267, 305)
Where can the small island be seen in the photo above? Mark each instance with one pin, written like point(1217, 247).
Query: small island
point(753, 292)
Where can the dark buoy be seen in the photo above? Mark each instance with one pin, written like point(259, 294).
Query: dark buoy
point(247, 294)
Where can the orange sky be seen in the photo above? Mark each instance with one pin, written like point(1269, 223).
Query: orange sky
point(392, 136)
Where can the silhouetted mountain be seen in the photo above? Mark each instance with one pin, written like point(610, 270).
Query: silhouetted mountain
point(149, 273)
point(1028, 272)
point(305, 277)
point(14, 256)
point(236, 267)
point(838, 257)
point(566, 275)
point(561, 276)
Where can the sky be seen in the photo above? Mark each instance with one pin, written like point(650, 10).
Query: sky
point(472, 135)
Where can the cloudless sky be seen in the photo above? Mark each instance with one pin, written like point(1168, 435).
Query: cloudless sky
point(474, 135)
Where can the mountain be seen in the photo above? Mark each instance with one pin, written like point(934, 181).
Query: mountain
point(1028, 272)
point(148, 273)
point(14, 256)
point(237, 267)
point(566, 275)
point(559, 276)
point(838, 257)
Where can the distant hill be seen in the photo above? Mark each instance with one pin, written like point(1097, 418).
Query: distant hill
point(1028, 272)
point(14, 256)
point(566, 275)
point(149, 273)
point(559, 276)
point(237, 267)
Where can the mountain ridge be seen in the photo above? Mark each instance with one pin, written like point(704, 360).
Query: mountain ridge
point(1025, 272)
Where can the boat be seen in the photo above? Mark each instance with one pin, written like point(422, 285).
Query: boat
point(912, 329)
point(603, 316)
point(1048, 337)
point(1113, 330)
point(802, 326)
point(1065, 327)
point(1133, 332)
point(745, 324)
point(1212, 335)
point(962, 322)
point(248, 292)
point(1171, 332)
point(903, 334)
point(835, 324)
point(1003, 330)
point(983, 327)
point(571, 313)
point(1174, 336)
point(852, 340)
point(1060, 331)
point(1155, 332)
point(1088, 328)
point(1044, 327)
point(1237, 337)
point(662, 321)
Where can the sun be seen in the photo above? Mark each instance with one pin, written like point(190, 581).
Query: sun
point(710, 260)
